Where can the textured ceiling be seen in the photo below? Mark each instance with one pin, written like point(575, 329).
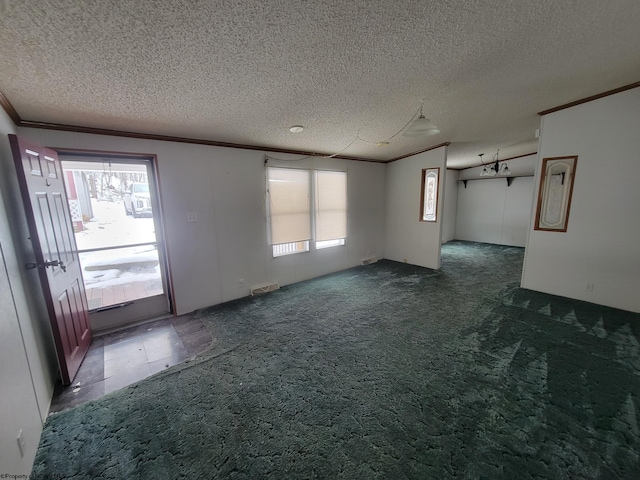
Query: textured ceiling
point(352, 72)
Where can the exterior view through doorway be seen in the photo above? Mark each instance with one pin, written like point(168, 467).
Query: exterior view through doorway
point(115, 210)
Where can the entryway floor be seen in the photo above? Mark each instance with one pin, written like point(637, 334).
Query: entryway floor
point(119, 359)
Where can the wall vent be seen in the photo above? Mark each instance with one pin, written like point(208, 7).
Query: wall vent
point(264, 288)
point(369, 260)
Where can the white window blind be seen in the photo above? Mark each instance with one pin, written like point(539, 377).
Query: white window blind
point(331, 205)
point(289, 204)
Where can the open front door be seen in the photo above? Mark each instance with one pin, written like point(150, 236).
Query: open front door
point(54, 245)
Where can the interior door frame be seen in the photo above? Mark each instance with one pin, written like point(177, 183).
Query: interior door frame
point(156, 204)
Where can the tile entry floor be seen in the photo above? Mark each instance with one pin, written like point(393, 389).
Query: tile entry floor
point(119, 359)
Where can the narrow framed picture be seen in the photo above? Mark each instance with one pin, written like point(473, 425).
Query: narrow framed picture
point(554, 195)
point(429, 195)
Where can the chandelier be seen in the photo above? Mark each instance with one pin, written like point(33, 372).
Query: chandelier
point(494, 168)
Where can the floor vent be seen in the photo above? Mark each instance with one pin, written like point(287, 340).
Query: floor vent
point(264, 288)
point(369, 260)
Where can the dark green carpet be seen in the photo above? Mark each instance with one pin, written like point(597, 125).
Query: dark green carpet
point(384, 371)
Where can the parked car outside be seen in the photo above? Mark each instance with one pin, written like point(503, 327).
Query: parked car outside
point(137, 200)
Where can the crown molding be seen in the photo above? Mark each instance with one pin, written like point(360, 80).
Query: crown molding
point(169, 138)
point(445, 144)
point(590, 99)
point(6, 104)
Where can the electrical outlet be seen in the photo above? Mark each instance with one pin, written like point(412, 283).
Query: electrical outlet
point(192, 217)
point(241, 281)
point(21, 443)
point(589, 287)
point(405, 260)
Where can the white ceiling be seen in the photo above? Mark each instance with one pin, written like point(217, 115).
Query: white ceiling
point(244, 72)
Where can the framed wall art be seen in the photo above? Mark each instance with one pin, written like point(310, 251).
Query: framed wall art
point(429, 195)
point(554, 196)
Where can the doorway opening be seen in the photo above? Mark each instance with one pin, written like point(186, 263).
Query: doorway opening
point(117, 222)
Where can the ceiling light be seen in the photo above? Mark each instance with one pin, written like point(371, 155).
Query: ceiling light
point(382, 144)
point(296, 129)
point(421, 127)
point(494, 168)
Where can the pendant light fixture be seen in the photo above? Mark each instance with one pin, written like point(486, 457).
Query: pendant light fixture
point(421, 127)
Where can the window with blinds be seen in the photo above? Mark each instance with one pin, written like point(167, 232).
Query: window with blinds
point(290, 200)
point(289, 209)
point(330, 208)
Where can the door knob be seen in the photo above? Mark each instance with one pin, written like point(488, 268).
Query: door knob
point(48, 263)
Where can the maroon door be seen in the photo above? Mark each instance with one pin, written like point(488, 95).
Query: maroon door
point(56, 254)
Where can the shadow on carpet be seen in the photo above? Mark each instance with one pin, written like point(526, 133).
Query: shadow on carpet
point(384, 371)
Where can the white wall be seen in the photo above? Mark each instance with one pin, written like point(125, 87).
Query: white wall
point(226, 189)
point(600, 245)
point(489, 211)
point(449, 211)
point(27, 363)
point(406, 237)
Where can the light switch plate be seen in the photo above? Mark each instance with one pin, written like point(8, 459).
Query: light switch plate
point(192, 217)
